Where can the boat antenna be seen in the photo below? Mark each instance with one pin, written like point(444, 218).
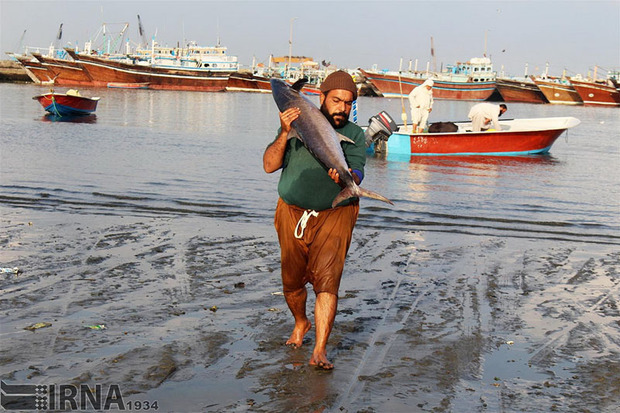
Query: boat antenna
point(218, 32)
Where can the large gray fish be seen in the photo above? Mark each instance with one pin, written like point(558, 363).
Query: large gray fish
point(319, 136)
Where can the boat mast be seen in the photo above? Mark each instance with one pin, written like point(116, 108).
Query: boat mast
point(290, 48)
point(402, 99)
point(433, 56)
point(595, 70)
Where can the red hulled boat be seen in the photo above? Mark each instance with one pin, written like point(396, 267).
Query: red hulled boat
point(597, 93)
point(104, 71)
point(517, 137)
point(519, 90)
point(67, 104)
point(64, 72)
point(35, 70)
point(558, 91)
point(391, 84)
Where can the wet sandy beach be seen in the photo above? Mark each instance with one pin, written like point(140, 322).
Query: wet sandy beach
point(427, 321)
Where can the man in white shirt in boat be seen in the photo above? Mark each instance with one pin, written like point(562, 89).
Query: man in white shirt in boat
point(485, 115)
point(421, 103)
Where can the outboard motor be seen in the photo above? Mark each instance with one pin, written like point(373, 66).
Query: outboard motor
point(379, 129)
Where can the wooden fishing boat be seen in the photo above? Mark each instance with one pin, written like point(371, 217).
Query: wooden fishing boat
point(472, 80)
point(596, 93)
point(558, 91)
point(67, 104)
point(34, 69)
point(64, 72)
point(248, 82)
point(159, 76)
point(517, 137)
point(519, 90)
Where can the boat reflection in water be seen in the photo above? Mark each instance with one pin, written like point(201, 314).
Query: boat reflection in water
point(478, 161)
point(470, 176)
point(50, 117)
point(473, 162)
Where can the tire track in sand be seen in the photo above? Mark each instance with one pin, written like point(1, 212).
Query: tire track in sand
point(373, 356)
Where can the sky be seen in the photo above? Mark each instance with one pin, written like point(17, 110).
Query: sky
point(570, 35)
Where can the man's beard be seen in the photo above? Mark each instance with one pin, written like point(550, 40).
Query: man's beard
point(336, 123)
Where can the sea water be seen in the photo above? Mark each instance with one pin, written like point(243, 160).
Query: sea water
point(169, 153)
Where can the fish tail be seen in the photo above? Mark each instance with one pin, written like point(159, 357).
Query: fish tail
point(352, 191)
point(370, 194)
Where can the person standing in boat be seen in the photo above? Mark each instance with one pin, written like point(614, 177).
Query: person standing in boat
point(485, 115)
point(314, 237)
point(421, 103)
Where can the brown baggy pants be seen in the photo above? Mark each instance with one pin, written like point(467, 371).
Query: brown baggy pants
point(318, 256)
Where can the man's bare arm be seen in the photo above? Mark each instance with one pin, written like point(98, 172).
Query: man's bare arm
point(274, 154)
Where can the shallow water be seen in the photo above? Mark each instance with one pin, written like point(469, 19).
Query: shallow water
point(152, 211)
point(157, 152)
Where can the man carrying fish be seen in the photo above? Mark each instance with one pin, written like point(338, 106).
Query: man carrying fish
point(322, 157)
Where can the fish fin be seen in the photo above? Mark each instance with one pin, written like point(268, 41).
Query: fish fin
point(344, 138)
point(352, 191)
point(293, 134)
point(300, 83)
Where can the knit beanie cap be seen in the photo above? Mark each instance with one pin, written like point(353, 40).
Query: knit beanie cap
point(339, 80)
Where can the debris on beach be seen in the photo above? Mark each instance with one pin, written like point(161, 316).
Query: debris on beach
point(97, 327)
point(37, 326)
point(214, 308)
point(8, 270)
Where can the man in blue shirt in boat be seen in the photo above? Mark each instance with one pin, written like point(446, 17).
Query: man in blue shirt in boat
point(485, 115)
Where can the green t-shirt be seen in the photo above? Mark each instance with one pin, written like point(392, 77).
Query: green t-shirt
point(304, 181)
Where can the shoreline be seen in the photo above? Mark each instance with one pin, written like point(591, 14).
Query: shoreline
point(13, 72)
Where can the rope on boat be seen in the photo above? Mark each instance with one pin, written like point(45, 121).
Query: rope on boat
point(55, 108)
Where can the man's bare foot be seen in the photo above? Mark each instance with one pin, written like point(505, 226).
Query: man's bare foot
point(297, 336)
point(320, 362)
